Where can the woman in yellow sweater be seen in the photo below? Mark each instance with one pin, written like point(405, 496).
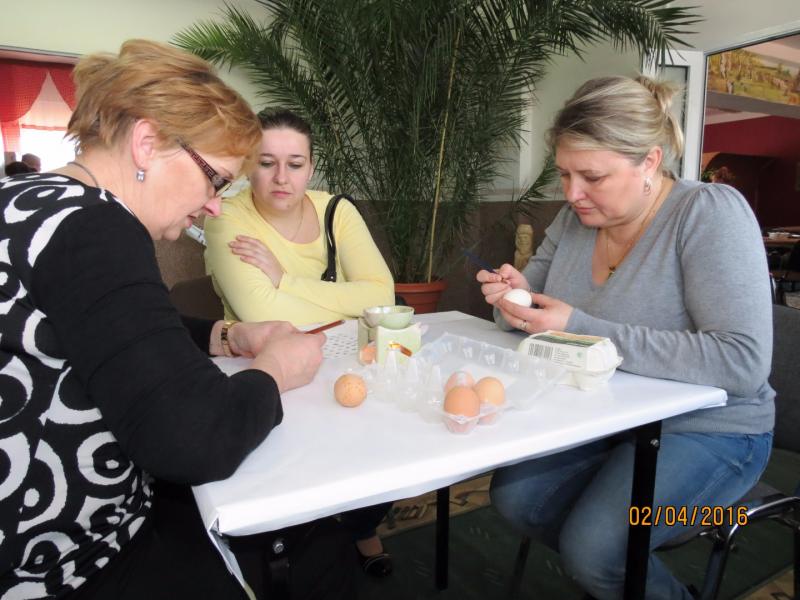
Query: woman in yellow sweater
point(266, 253)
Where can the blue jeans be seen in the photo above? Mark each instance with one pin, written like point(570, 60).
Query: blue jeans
point(577, 502)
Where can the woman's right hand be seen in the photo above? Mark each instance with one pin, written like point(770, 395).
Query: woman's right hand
point(292, 359)
point(256, 253)
point(497, 283)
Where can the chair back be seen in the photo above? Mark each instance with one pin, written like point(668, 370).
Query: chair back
point(793, 262)
point(197, 298)
point(785, 376)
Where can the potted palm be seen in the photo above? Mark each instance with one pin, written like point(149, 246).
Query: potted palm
point(414, 102)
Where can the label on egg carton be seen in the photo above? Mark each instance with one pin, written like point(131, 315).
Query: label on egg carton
point(577, 352)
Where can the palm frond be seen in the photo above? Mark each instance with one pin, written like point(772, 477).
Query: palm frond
point(372, 77)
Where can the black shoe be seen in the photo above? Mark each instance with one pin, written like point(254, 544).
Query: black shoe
point(377, 565)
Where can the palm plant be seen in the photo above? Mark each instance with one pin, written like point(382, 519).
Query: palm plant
point(413, 102)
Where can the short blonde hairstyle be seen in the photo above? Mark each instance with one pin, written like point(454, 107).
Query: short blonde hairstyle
point(621, 114)
point(178, 91)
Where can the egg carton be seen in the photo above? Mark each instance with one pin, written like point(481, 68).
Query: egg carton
point(489, 414)
point(525, 378)
point(416, 385)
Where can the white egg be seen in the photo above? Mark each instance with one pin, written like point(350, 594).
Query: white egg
point(519, 296)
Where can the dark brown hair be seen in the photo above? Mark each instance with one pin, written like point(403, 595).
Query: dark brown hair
point(286, 119)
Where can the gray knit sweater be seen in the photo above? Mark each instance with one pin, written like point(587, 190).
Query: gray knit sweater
point(691, 302)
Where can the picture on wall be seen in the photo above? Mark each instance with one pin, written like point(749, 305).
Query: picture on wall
point(744, 73)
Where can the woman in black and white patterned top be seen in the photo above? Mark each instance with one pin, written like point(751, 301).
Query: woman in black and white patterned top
point(102, 383)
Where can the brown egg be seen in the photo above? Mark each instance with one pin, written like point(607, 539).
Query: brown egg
point(350, 390)
point(462, 400)
point(459, 378)
point(368, 354)
point(491, 390)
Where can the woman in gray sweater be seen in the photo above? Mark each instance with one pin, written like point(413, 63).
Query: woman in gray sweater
point(674, 273)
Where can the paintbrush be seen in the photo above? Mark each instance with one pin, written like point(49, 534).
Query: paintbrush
point(324, 327)
point(477, 261)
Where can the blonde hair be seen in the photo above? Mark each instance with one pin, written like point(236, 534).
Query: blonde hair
point(176, 90)
point(621, 114)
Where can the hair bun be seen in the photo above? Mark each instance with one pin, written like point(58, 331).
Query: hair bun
point(663, 91)
point(621, 114)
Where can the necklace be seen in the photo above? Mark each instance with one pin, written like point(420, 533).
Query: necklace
point(656, 203)
point(264, 215)
point(299, 225)
point(302, 214)
point(88, 172)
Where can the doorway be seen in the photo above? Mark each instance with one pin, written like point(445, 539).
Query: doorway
point(751, 130)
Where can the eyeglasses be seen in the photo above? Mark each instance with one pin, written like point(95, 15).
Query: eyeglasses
point(220, 183)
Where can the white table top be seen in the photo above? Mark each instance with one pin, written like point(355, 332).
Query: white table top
point(324, 458)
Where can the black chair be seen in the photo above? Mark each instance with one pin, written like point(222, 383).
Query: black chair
point(762, 502)
point(788, 276)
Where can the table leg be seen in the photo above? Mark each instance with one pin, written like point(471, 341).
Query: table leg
point(442, 536)
point(648, 441)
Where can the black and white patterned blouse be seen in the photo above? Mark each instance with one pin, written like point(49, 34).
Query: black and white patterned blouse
point(100, 382)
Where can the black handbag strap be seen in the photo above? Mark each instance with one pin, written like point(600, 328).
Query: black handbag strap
point(330, 272)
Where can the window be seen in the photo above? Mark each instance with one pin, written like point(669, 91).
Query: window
point(35, 105)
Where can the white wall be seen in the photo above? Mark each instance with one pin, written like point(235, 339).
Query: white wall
point(81, 26)
point(729, 23)
point(564, 76)
point(726, 23)
point(84, 26)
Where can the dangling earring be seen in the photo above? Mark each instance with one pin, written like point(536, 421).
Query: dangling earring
point(648, 186)
point(140, 175)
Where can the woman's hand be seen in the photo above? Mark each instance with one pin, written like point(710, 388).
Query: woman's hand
point(254, 252)
point(495, 284)
point(550, 314)
point(248, 339)
point(292, 360)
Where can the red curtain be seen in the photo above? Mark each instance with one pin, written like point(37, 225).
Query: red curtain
point(21, 82)
point(62, 77)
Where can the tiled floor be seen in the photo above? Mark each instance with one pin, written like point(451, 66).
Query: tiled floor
point(793, 300)
point(415, 512)
point(777, 589)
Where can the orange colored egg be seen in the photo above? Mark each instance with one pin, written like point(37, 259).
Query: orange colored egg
point(491, 390)
point(461, 378)
point(350, 390)
point(462, 400)
point(368, 354)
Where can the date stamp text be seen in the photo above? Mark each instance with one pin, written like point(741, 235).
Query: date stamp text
point(705, 516)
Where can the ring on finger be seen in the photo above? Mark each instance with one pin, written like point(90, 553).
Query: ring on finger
point(523, 326)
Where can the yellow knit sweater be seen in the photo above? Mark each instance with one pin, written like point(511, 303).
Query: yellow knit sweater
point(362, 277)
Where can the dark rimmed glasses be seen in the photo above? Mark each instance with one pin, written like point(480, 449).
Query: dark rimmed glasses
point(220, 183)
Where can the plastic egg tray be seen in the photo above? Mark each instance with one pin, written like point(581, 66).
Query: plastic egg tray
point(416, 385)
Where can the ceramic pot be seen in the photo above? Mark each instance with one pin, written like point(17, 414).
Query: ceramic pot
point(424, 297)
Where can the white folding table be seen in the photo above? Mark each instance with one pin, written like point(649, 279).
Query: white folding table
point(325, 459)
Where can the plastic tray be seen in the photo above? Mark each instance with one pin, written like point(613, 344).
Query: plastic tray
point(416, 385)
point(525, 378)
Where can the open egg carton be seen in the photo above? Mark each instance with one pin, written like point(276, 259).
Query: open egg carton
point(417, 384)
